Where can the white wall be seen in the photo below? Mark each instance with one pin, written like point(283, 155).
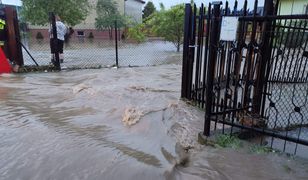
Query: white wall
point(292, 6)
point(133, 9)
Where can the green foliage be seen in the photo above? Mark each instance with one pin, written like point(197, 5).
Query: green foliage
point(136, 33)
point(162, 6)
point(108, 21)
point(261, 149)
point(149, 9)
point(91, 36)
point(39, 35)
point(71, 12)
point(228, 141)
point(169, 24)
point(107, 15)
point(105, 7)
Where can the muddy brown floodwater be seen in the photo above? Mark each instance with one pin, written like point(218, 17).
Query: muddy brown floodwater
point(116, 124)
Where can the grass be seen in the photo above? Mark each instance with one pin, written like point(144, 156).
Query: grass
point(228, 141)
point(27, 69)
point(261, 149)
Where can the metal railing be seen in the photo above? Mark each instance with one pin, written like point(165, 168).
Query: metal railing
point(257, 82)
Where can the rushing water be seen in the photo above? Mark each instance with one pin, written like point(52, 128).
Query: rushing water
point(116, 124)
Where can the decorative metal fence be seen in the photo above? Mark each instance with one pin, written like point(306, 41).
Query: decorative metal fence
point(257, 82)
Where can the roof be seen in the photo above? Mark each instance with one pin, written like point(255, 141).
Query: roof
point(141, 1)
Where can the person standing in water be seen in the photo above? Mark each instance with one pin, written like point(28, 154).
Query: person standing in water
point(57, 44)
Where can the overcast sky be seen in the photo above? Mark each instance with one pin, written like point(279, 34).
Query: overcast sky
point(12, 2)
point(169, 3)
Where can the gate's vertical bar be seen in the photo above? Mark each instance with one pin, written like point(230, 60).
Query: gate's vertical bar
point(201, 83)
point(238, 59)
point(235, 8)
point(214, 39)
point(191, 53)
point(116, 42)
point(187, 32)
point(54, 40)
point(266, 50)
point(249, 60)
point(199, 53)
point(208, 23)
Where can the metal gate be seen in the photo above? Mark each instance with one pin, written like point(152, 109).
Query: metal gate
point(256, 82)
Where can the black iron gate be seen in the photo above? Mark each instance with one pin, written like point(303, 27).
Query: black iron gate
point(258, 81)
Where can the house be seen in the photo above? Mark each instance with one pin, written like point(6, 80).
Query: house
point(288, 7)
point(88, 25)
point(133, 9)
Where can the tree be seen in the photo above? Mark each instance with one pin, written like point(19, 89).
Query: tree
point(149, 9)
point(71, 12)
point(162, 6)
point(107, 14)
point(136, 33)
point(169, 24)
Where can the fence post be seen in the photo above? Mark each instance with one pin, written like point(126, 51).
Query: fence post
point(116, 42)
point(191, 52)
point(54, 39)
point(214, 39)
point(14, 48)
point(264, 60)
point(187, 33)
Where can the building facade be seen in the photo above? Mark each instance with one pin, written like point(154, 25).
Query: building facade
point(293, 7)
point(131, 8)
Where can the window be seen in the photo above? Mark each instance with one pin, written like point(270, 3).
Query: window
point(80, 33)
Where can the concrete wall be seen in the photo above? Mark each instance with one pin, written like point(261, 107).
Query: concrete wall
point(293, 7)
point(133, 9)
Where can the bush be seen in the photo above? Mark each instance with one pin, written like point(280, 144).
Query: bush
point(39, 35)
point(136, 33)
point(91, 36)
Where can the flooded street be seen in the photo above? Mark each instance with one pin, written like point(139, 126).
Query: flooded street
point(113, 124)
point(87, 53)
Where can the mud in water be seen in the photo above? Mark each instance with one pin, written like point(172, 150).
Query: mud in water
point(125, 123)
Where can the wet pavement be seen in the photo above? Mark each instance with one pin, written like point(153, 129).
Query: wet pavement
point(126, 123)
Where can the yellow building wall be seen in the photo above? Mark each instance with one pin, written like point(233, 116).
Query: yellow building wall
point(89, 22)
